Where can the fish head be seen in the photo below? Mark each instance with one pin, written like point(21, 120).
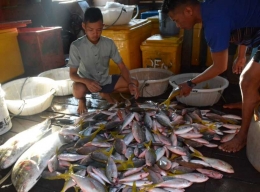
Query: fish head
point(24, 175)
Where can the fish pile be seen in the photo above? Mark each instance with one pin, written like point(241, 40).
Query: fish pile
point(142, 148)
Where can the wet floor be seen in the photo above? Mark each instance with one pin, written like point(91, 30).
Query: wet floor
point(245, 178)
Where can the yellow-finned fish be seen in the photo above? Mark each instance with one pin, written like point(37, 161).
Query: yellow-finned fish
point(174, 93)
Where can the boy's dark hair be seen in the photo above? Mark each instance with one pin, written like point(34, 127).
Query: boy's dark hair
point(92, 15)
point(169, 5)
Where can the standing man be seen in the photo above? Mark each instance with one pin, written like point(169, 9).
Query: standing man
point(89, 63)
point(224, 21)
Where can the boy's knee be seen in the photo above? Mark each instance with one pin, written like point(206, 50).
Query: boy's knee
point(79, 90)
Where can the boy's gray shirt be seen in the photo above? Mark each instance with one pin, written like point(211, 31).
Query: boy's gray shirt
point(92, 60)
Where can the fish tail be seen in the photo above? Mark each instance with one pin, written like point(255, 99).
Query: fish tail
point(147, 145)
point(195, 153)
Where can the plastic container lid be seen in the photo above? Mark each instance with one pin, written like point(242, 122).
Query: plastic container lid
point(158, 39)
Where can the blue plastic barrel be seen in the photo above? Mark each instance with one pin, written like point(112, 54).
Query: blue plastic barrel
point(167, 26)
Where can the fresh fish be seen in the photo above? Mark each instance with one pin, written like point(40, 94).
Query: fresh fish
point(138, 132)
point(210, 173)
point(173, 190)
point(182, 129)
point(111, 170)
point(231, 126)
point(192, 177)
point(175, 183)
point(228, 137)
point(13, 148)
point(53, 163)
point(34, 159)
point(101, 174)
point(128, 119)
point(174, 93)
point(120, 146)
point(85, 183)
point(215, 163)
point(154, 176)
point(138, 183)
point(163, 120)
point(134, 177)
point(148, 122)
point(231, 116)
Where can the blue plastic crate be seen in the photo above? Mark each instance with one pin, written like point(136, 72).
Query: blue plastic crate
point(146, 14)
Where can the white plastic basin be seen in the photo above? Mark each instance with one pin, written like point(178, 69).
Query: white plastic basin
point(206, 93)
point(29, 96)
point(62, 79)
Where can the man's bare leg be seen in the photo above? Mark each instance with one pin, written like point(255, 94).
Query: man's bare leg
point(79, 92)
point(237, 105)
point(249, 85)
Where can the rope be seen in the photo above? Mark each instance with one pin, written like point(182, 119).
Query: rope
point(22, 106)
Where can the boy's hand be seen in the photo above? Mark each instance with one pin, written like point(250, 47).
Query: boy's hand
point(133, 90)
point(93, 86)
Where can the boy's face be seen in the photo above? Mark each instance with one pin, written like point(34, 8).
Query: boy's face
point(183, 17)
point(93, 30)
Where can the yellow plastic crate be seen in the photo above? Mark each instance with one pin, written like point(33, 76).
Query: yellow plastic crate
point(128, 39)
point(196, 47)
point(11, 64)
point(165, 53)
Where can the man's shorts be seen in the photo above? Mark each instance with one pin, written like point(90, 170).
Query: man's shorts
point(257, 56)
point(109, 88)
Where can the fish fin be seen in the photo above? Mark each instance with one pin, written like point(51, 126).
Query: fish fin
point(76, 188)
point(124, 165)
point(116, 135)
point(147, 145)
point(134, 188)
point(93, 135)
point(195, 153)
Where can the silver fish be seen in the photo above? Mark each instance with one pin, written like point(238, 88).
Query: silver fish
point(13, 148)
point(34, 159)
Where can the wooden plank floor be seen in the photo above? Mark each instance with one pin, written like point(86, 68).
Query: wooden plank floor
point(245, 178)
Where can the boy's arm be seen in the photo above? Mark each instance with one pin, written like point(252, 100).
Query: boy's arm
point(124, 72)
point(127, 77)
point(92, 86)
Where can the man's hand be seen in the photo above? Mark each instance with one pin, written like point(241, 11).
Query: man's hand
point(239, 65)
point(93, 86)
point(185, 89)
point(134, 90)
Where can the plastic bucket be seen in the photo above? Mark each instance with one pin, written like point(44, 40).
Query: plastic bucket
point(62, 79)
point(5, 121)
point(29, 96)
point(118, 15)
point(206, 93)
point(167, 26)
point(152, 81)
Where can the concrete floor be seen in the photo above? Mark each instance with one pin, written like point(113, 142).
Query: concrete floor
point(245, 178)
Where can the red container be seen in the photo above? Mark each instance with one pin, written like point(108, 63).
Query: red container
point(41, 49)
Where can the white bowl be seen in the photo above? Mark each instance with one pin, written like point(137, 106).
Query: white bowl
point(62, 79)
point(206, 93)
point(29, 96)
point(152, 81)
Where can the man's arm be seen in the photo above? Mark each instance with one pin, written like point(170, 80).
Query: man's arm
point(240, 61)
point(219, 65)
point(220, 60)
